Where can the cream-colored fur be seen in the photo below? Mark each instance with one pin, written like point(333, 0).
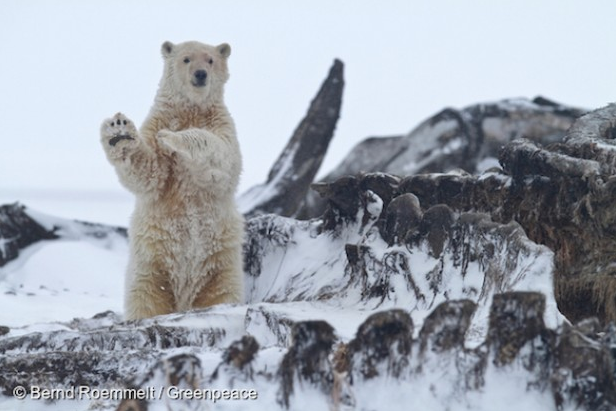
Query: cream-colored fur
point(183, 167)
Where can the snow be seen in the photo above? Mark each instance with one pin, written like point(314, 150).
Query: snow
point(486, 164)
point(57, 281)
point(509, 389)
point(13, 404)
point(60, 282)
point(423, 147)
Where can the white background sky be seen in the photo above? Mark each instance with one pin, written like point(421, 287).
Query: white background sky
point(67, 65)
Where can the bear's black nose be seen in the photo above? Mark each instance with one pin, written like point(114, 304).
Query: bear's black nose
point(199, 78)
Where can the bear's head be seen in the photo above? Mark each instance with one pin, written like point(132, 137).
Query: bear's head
point(195, 71)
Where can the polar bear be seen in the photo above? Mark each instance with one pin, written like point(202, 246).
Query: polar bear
point(183, 167)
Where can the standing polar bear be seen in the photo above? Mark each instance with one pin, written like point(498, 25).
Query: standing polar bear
point(183, 167)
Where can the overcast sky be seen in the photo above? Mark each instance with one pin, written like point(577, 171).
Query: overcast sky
point(67, 65)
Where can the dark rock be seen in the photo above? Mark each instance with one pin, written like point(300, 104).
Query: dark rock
point(561, 195)
point(92, 356)
point(402, 217)
point(132, 404)
point(574, 364)
point(307, 360)
point(237, 361)
point(382, 346)
point(516, 321)
point(435, 226)
point(383, 185)
point(263, 233)
point(442, 346)
point(523, 157)
point(440, 189)
point(294, 171)
point(584, 373)
point(61, 369)
point(181, 371)
point(445, 328)
point(343, 199)
point(241, 352)
point(18, 230)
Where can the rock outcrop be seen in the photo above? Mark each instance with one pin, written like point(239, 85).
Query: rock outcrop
point(570, 366)
point(289, 179)
point(469, 139)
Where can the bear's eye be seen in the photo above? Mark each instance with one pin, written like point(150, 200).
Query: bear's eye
point(186, 60)
point(211, 61)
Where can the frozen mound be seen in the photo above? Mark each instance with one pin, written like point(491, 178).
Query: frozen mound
point(375, 291)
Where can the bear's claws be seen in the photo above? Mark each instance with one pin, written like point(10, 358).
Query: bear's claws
point(116, 139)
point(118, 122)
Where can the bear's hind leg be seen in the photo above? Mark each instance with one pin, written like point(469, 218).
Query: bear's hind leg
point(225, 288)
point(149, 296)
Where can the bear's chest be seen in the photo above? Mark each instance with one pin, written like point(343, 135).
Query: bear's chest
point(189, 119)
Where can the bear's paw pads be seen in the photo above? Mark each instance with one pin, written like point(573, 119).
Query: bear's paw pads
point(118, 128)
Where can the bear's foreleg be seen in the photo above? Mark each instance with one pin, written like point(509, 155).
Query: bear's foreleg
point(135, 162)
point(188, 143)
point(214, 160)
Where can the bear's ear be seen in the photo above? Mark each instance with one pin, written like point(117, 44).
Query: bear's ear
point(224, 49)
point(167, 48)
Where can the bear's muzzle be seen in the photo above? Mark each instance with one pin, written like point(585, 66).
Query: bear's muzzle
point(199, 78)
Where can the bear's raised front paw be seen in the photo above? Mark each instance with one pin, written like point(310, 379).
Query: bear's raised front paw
point(118, 128)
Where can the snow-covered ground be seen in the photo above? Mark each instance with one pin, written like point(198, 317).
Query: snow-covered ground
point(55, 282)
point(61, 280)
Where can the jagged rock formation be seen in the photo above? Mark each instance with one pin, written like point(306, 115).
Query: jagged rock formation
point(374, 254)
point(469, 139)
point(561, 195)
point(307, 360)
point(571, 366)
point(291, 175)
point(95, 352)
point(368, 261)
